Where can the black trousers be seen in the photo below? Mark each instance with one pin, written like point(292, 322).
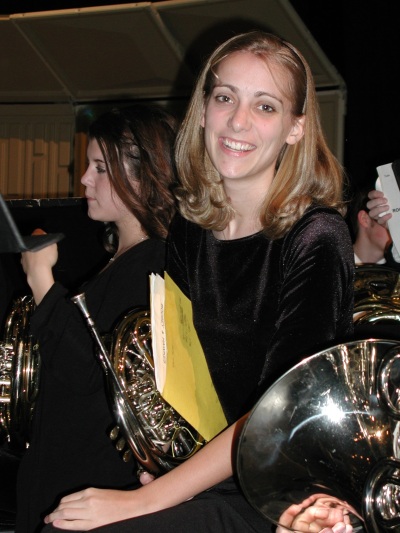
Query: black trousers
point(9, 463)
point(222, 509)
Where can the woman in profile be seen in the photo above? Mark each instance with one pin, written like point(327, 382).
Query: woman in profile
point(128, 185)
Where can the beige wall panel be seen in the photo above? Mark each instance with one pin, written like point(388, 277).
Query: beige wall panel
point(36, 150)
point(14, 173)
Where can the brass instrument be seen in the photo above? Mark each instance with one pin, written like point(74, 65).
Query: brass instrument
point(330, 429)
point(19, 375)
point(158, 437)
point(376, 295)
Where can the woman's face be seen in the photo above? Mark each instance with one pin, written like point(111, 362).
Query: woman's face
point(103, 202)
point(247, 119)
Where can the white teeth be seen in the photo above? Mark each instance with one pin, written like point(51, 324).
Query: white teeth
point(240, 147)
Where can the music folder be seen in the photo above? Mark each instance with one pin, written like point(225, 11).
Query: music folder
point(11, 240)
point(179, 360)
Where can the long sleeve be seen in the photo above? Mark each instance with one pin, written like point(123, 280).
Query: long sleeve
point(316, 296)
point(67, 350)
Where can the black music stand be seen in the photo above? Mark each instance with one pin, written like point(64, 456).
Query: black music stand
point(11, 241)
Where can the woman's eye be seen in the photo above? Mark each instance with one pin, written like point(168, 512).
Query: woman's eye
point(100, 170)
point(266, 107)
point(222, 98)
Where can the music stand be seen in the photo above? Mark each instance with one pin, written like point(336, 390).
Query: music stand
point(11, 240)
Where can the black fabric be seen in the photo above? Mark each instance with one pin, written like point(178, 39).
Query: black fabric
point(390, 261)
point(9, 463)
point(220, 510)
point(69, 446)
point(260, 306)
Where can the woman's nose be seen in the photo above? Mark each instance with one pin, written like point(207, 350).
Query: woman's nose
point(240, 119)
point(85, 179)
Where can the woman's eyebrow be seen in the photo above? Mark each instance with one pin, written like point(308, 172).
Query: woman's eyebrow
point(257, 94)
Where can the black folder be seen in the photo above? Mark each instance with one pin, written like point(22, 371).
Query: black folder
point(12, 241)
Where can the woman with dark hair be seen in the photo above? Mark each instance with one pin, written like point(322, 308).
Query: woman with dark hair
point(261, 249)
point(128, 185)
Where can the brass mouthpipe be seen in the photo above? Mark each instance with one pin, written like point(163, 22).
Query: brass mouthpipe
point(103, 354)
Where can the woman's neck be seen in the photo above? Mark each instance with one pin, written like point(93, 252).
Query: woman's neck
point(129, 235)
point(246, 221)
point(240, 226)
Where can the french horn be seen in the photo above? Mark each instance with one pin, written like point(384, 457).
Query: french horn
point(147, 427)
point(157, 436)
point(19, 375)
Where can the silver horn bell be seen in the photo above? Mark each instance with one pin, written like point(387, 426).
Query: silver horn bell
point(329, 427)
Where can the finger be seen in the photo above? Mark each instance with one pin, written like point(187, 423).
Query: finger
point(340, 527)
point(382, 219)
point(68, 516)
point(146, 478)
point(375, 194)
point(72, 525)
point(379, 211)
point(315, 518)
point(378, 202)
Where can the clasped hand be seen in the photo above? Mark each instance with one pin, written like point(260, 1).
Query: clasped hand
point(317, 514)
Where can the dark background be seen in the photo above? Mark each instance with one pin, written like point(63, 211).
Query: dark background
point(362, 40)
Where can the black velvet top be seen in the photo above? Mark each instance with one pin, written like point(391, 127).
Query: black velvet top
point(69, 446)
point(260, 306)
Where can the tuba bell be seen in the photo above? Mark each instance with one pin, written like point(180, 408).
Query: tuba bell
point(19, 375)
point(155, 434)
point(329, 430)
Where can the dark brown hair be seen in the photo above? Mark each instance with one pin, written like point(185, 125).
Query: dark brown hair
point(137, 144)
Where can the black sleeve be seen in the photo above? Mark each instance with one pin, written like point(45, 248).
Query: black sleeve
point(65, 344)
point(316, 301)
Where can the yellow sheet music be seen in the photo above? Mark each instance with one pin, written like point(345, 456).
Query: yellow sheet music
point(188, 387)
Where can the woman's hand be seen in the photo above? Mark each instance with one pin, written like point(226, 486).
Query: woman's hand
point(377, 205)
point(91, 508)
point(38, 268)
point(317, 514)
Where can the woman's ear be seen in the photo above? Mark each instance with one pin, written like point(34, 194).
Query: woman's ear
point(297, 131)
point(203, 118)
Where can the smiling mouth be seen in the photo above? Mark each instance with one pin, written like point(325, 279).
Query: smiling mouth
point(237, 146)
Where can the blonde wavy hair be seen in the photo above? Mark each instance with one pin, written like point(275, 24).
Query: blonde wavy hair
point(307, 173)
